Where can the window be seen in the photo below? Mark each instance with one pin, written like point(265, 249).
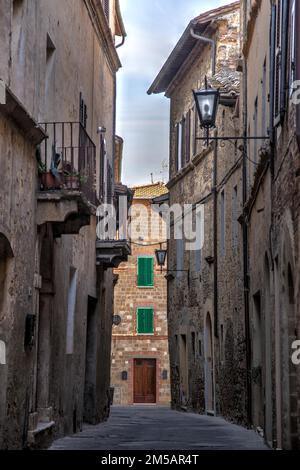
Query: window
point(255, 127)
point(222, 223)
point(222, 344)
point(145, 271)
point(183, 143)
point(2, 353)
point(179, 258)
point(182, 147)
point(293, 47)
point(277, 61)
point(264, 101)
point(188, 137)
point(145, 321)
point(179, 146)
point(109, 195)
point(198, 252)
point(82, 111)
point(234, 217)
point(71, 311)
point(102, 167)
point(105, 4)
point(280, 59)
point(193, 128)
point(193, 341)
point(196, 125)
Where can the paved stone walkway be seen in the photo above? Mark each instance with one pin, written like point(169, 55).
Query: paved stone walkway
point(159, 428)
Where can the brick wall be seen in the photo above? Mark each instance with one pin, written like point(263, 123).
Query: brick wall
point(127, 345)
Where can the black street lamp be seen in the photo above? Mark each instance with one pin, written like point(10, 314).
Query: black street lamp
point(207, 102)
point(161, 257)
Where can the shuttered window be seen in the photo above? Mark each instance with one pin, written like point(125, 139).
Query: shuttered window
point(106, 8)
point(176, 147)
point(145, 271)
point(145, 321)
point(183, 143)
point(281, 59)
point(188, 137)
point(109, 184)
point(277, 61)
point(293, 47)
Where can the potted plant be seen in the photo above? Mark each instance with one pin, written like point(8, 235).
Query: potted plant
point(72, 179)
point(48, 178)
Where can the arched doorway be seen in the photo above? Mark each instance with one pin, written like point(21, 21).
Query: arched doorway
point(209, 368)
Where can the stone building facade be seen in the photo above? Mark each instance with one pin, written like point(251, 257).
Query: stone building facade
point(270, 43)
point(206, 319)
point(233, 325)
point(140, 357)
point(58, 67)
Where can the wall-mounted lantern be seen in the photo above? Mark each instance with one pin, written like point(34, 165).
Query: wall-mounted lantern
point(124, 375)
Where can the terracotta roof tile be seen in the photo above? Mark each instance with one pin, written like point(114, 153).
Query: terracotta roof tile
point(149, 191)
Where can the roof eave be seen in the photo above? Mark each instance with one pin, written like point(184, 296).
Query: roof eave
point(202, 22)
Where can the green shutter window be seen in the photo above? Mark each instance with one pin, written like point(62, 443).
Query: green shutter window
point(145, 272)
point(145, 321)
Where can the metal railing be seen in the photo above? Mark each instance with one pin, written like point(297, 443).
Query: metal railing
point(68, 159)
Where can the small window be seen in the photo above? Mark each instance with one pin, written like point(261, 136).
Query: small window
point(145, 321)
point(145, 271)
point(71, 311)
point(264, 100)
point(82, 111)
point(278, 50)
point(198, 252)
point(255, 127)
point(222, 223)
point(188, 137)
point(106, 8)
point(181, 144)
point(293, 47)
point(235, 217)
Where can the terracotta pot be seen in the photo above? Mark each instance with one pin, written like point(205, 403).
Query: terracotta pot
point(48, 181)
point(72, 182)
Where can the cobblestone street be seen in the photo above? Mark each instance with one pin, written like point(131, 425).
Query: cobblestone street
point(159, 428)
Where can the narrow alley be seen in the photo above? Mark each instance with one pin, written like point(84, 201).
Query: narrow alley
point(159, 428)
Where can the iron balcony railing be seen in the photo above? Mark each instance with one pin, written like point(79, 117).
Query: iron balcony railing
point(67, 159)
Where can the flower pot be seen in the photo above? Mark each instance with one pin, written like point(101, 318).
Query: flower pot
point(48, 181)
point(72, 182)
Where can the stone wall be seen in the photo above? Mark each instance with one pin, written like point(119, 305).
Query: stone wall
point(273, 252)
point(55, 53)
point(192, 313)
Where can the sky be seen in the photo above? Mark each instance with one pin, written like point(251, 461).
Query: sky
point(153, 28)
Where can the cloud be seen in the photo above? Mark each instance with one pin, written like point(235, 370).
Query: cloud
point(153, 29)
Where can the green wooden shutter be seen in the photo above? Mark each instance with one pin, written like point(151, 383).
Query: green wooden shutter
point(145, 274)
point(145, 320)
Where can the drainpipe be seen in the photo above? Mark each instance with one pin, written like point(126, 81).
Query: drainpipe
point(121, 43)
point(215, 192)
point(246, 234)
point(213, 47)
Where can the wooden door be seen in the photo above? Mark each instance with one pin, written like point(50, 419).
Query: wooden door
point(144, 381)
